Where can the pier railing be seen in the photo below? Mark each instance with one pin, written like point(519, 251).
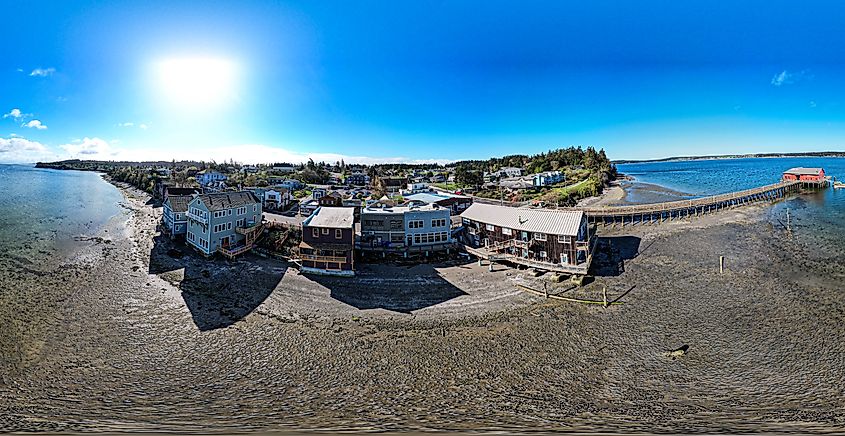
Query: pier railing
point(775, 189)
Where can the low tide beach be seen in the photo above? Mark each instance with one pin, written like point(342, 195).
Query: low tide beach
point(120, 336)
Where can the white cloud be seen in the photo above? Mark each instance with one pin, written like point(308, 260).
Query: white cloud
point(16, 114)
point(89, 148)
point(812, 103)
point(142, 126)
point(17, 150)
point(42, 72)
point(20, 70)
point(129, 124)
point(35, 124)
point(787, 78)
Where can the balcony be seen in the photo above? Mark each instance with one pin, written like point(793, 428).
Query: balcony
point(317, 258)
point(199, 218)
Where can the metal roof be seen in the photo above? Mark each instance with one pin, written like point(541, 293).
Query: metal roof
point(228, 200)
point(549, 221)
point(334, 217)
point(804, 171)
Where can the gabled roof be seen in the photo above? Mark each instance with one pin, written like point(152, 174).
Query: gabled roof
point(228, 200)
point(333, 217)
point(179, 203)
point(549, 221)
point(804, 171)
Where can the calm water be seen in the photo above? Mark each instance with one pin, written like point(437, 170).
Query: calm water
point(41, 210)
point(816, 216)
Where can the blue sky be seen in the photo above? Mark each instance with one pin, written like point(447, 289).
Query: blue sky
point(417, 81)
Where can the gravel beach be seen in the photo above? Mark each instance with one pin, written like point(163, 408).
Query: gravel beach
point(125, 337)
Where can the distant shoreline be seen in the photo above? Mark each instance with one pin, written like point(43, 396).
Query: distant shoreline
point(821, 154)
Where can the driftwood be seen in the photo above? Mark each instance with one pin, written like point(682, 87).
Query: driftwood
point(570, 299)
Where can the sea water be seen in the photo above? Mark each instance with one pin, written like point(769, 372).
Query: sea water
point(43, 211)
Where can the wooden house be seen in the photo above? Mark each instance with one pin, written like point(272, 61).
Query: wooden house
point(328, 242)
point(547, 239)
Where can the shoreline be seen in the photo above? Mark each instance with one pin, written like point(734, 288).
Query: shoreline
point(129, 334)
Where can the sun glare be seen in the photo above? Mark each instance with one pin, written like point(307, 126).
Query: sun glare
point(197, 83)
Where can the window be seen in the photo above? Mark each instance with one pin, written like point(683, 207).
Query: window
point(563, 239)
point(415, 224)
point(230, 212)
point(255, 208)
point(325, 231)
point(438, 223)
point(396, 237)
point(338, 234)
point(506, 231)
point(444, 236)
point(540, 236)
point(416, 239)
point(242, 210)
point(315, 232)
point(491, 228)
point(397, 224)
point(229, 226)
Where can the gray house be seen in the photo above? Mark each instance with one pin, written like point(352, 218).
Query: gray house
point(175, 219)
point(225, 222)
point(405, 229)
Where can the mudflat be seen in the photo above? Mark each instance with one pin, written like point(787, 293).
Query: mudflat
point(125, 337)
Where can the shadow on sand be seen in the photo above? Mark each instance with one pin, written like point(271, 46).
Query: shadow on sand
point(612, 252)
point(218, 292)
point(402, 289)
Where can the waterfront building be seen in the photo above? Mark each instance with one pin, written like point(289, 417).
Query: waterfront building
point(332, 198)
point(455, 203)
point(804, 174)
point(414, 228)
point(328, 242)
point(174, 218)
point(226, 222)
point(547, 178)
point(554, 240)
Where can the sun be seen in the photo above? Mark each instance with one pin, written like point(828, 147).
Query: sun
point(196, 83)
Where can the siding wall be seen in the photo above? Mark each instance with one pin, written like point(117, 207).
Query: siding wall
point(215, 238)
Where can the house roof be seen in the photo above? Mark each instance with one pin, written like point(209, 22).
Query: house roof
point(334, 217)
point(179, 203)
point(228, 200)
point(173, 190)
point(549, 221)
point(804, 171)
point(431, 197)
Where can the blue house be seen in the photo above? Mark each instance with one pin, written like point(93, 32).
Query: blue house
point(225, 222)
point(547, 178)
point(208, 177)
point(174, 219)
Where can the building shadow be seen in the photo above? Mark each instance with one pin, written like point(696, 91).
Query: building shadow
point(397, 288)
point(611, 254)
point(217, 292)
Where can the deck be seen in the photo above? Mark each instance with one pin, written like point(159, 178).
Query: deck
point(495, 253)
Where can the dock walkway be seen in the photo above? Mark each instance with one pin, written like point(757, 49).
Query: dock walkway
point(660, 212)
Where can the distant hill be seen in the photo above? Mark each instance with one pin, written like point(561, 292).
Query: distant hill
point(735, 156)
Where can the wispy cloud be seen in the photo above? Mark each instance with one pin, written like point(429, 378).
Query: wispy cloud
point(787, 78)
point(142, 126)
point(89, 148)
point(42, 72)
point(35, 124)
point(129, 124)
point(16, 149)
point(15, 114)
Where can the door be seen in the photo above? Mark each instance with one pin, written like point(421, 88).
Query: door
point(524, 236)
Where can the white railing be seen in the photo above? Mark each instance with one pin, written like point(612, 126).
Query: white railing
point(196, 217)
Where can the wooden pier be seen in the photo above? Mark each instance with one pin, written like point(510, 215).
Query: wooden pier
point(674, 210)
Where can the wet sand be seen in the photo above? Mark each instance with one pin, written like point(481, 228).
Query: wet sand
point(124, 337)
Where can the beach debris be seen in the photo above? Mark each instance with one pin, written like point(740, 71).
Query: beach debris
point(677, 352)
